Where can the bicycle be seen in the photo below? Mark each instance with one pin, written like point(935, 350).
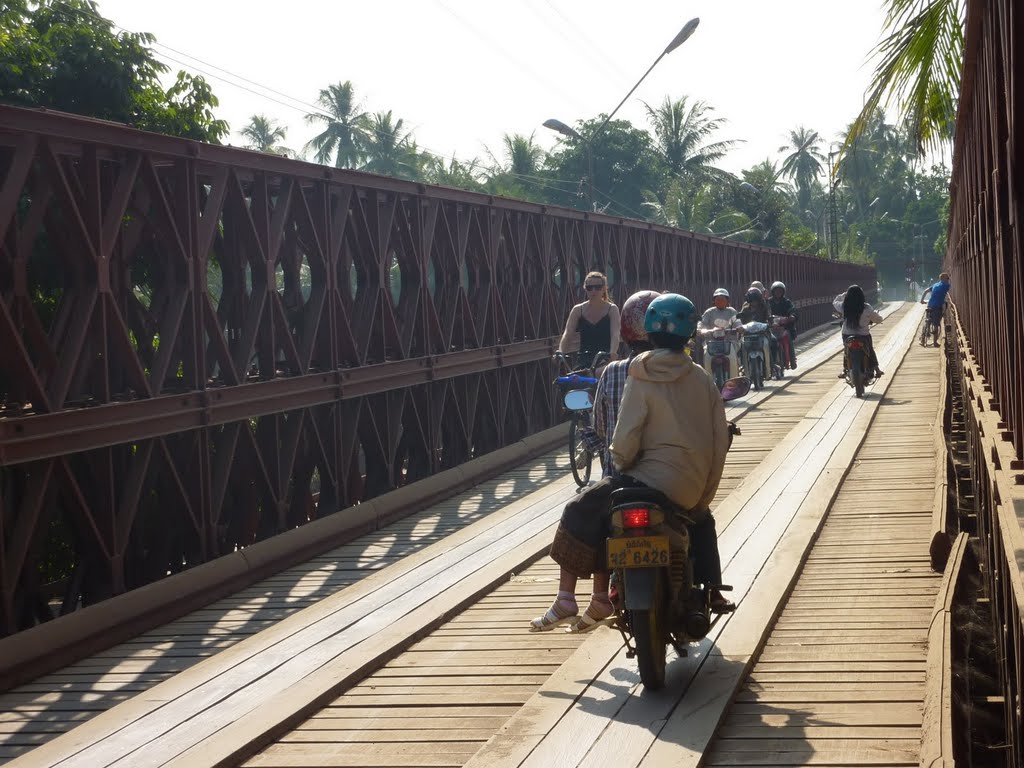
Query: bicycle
point(577, 398)
point(932, 320)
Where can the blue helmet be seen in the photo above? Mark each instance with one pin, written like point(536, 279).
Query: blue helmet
point(671, 313)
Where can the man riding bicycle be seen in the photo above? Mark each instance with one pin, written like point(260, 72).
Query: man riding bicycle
point(936, 303)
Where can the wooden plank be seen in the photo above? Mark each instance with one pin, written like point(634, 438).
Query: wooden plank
point(937, 749)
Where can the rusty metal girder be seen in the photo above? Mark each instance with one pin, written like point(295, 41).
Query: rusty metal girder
point(196, 341)
point(985, 258)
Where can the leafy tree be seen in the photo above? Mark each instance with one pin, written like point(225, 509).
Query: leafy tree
point(803, 163)
point(344, 126)
point(263, 134)
point(918, 68)
point(388, 148)
point(63, 55)
point(626, 165)
point(683, 135)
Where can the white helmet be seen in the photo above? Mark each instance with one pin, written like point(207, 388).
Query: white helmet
point(779, 284)
point(720, 292)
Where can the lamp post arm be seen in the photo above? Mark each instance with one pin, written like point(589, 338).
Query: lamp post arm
point(601, 127)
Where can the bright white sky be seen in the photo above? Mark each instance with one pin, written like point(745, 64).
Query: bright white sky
point(463, 72)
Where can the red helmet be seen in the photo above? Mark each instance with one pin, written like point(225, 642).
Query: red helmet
point(632, 316)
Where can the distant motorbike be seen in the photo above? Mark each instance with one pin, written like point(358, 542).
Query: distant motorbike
point(721, 354)
point(656, 600)
point(755, 341)
point(782, 350)
point(859, 374)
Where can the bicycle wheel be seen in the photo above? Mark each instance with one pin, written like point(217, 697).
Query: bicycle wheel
point(580, 458)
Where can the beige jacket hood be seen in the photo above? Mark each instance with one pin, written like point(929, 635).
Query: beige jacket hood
point(671, 432)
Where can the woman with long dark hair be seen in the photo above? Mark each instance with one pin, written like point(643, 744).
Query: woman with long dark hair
point(858, 316)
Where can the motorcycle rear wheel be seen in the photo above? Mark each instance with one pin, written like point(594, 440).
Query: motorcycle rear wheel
point(757, 372)
point(651, 640)
point(857, 374)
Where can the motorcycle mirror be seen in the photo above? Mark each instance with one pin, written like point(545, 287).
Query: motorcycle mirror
point(733, 389)
point(578, 400)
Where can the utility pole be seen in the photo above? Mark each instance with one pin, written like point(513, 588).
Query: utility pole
point(833, 212)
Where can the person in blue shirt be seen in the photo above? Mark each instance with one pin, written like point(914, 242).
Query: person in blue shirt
point(936, 299)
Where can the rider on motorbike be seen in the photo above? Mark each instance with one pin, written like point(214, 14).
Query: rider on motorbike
point(613, 379)
point(857, 316)
point(780, 306)
point(755, 310)
point(720, 311)
point(671, 435)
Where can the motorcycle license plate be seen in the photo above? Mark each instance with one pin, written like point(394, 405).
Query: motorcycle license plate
point(638, 552)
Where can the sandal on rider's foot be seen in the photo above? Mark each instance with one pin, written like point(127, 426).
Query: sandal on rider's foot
point(879, 373)
point(560, 612)
point(591, 618)
point(721, 604)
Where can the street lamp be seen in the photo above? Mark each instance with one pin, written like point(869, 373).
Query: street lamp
point(558, 126)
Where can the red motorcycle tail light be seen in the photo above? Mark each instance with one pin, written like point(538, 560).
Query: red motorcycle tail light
point(854, 344)
point(636, 518)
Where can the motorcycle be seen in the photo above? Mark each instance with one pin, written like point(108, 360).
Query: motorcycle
point(720, 342)
point(755, 339)
point(859, 374)
point(656, 600)
point(782, 350)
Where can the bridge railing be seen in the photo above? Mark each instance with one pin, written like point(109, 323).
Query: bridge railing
point(986, 261)
point(203, 346)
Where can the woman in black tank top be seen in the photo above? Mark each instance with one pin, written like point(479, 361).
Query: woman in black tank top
point(596, 321)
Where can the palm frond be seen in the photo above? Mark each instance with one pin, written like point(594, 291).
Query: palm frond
point(919, 70)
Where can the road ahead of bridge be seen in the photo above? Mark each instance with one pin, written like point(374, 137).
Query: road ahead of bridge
point(408, 647)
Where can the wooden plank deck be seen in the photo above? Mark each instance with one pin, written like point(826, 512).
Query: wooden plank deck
point(592, 712)
point(852, 638)
point(483, 658)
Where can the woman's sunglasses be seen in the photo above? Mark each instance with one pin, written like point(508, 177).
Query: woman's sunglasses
point(596, 287)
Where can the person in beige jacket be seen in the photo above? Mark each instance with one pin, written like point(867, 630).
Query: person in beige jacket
point(671, 435)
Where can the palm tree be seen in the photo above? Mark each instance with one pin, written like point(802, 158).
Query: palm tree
point(803, 163)
point(919, 69)
point(523, 157)
point(262, 134)
point(766, 199)
point(388, 148)
point(683, 132)
point(454, 173)
point(696, 212)
point(344, 126)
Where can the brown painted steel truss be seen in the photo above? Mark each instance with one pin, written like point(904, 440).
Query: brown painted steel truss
point(201, 347)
